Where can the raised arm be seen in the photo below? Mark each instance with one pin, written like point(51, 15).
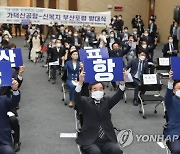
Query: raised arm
point(77, 93)
point(120, 92)
point(15, 98)
point(169, 91)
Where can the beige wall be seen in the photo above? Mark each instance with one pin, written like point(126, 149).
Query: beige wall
point(3, 2)
point(130, 8)
point(22, 3)
point(63, 4)
point(164, 12)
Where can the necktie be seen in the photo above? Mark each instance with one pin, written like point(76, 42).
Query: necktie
point(171, 47)
point(101, 133)
point(139, 69)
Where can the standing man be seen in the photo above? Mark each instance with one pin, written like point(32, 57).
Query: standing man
point(138, 66)
point(97, 135)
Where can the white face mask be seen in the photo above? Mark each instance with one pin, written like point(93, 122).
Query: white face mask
point(146, 34)
point(177, 93)
point(125, 30)
point(171, 41)
point(97, 95)
point(75, 57)
point(142, 58)
point(111, 35)
point(144, 46)
point(135, 32)
point(58, 45)
point(75, 35)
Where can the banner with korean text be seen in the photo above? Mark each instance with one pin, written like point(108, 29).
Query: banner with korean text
point(100, 70)
point(14, 56)
point(5, 73)
point(44, 16)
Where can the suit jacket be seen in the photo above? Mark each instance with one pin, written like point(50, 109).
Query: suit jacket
point(72, 74)
point(79, 41)
point(173, 114)
point(6, 104)
point(166, 48)
point(133, 64)
point(94, 117)
point(108, 41)
point(154, 28)
point(55, 55)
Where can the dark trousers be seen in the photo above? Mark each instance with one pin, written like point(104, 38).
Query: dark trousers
point(14, 124)
point(136, 88)
point(174, 147)
point(54, 68)
point(18, 28)
point(71, 89)
point(114, 85)
point(103, 148)
point(6, 149)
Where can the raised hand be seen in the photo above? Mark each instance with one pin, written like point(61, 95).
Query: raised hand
point(14, 84)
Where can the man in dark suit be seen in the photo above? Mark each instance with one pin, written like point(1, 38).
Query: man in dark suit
point(111, 39)
point(56, 54)
point(97, 135)
point(6, 104)
point(76, 40)
point(138, 67)
point(152, 28)
point(170, 48)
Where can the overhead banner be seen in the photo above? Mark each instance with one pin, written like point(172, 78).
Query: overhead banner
point(44, 16)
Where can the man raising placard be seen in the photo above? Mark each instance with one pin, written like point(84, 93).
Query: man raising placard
point(97, 134)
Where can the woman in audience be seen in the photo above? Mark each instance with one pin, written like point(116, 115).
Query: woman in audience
point(72, 67)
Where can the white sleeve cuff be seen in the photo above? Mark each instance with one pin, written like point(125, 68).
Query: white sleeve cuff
point(20, 77)
point(78, 88)
point(122, 87)
point(16, 92)
point(170, 85)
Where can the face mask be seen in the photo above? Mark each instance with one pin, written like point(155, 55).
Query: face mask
point(75, 57)
point(7, 39)
point(97, 95)
point(135, 32)
point(177, 93)
point(70, 33)
point(144, 46)
point(112, 35)
point(145, 34)
point(33, 27)
point(75, 35)
point(104, 33)
point(58, 45)
point(125, 30)
point(67, 46)
point(142, 58)
point(170, 41)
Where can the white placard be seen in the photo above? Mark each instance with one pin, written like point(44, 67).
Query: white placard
point(149, 79)
point(164, 62)
point(54, 63)
point(68, 135)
